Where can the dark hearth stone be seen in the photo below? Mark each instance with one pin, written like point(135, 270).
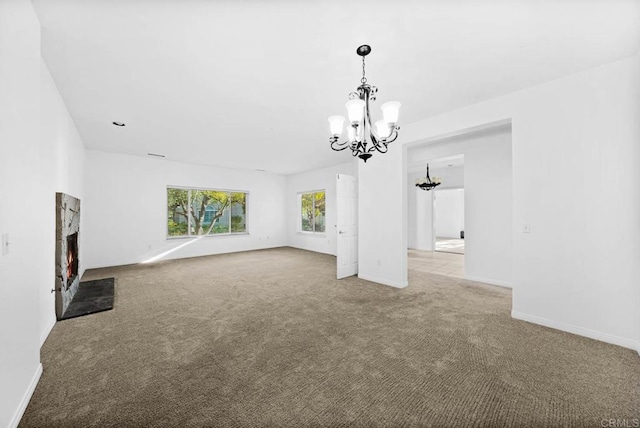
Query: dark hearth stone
point(91, 297)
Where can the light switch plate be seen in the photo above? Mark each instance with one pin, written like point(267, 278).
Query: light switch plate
point(5, 244)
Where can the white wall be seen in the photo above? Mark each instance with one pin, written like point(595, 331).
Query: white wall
point(61, 171)
point(449, 218)
point(575, 180)
point(28, 264)
point(321, 179)
point(420, 213)
point(125, 215)
point(382, 218)
point(412, 216)
point(488, 202)
point(452, 177)
point(424, 231)
point(38, 142)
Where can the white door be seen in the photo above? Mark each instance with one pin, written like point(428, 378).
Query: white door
point(347, 225)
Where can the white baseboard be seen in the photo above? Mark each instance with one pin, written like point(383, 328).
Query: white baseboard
point(384, 281)
point(489, 281)
point(300, 247)
point(26, 398)
point(580, 331)
point(47, 330)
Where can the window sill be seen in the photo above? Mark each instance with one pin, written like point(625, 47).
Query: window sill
point(316, 234)
point(219, 235)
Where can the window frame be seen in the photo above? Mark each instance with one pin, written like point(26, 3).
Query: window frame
point(299, 206)
point(189, 235)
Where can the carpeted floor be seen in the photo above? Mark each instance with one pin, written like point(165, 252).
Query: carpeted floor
point(270, 338)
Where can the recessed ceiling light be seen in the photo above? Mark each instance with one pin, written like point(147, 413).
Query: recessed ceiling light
point(118, 123)
point(156, 155)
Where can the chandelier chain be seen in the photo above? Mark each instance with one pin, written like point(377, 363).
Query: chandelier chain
point(364, 79)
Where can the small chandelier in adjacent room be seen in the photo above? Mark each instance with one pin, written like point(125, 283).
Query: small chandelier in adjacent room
point(359, 128)
point(427, 183)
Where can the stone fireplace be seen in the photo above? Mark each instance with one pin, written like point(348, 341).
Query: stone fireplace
point(67, 251)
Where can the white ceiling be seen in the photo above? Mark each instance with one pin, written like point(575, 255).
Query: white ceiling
point(249, 84)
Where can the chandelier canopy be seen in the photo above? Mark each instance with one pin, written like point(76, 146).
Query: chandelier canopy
point(359, 129)
point(428, 183)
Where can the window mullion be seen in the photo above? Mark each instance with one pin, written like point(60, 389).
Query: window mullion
point(189, 212)
point(313, 212)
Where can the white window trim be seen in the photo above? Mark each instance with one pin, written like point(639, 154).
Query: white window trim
point(218, 235)
point(299, 210)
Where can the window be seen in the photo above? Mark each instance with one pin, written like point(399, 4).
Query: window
point(193, 212)
point(209, 214)
point(312, 211)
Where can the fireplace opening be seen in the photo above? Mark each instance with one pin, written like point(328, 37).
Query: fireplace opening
point(72, 258)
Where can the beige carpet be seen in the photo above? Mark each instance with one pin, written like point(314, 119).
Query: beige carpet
point(270, 338)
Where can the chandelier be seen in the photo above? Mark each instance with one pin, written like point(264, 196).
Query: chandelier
point(359, 129)
point(427, 183)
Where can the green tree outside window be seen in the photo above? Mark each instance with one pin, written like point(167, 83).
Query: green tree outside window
point(197, 212)
point(312, 211)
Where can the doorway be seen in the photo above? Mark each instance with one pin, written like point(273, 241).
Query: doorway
point(488, 202)
point(436, 217)
point(449, 220)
